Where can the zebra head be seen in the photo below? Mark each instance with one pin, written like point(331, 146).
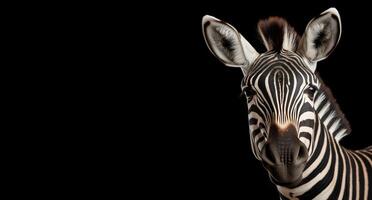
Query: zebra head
point(279, 84)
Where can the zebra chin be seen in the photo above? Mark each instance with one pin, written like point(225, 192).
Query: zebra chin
point(288, 176)
point(284, 156)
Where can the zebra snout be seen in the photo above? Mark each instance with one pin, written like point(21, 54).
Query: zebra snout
point(283, 147)
point(284, 155)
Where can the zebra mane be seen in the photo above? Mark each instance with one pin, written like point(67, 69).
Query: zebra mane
point(277, 34)
point(330, 113)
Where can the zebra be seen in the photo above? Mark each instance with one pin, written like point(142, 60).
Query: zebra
point(294, 121)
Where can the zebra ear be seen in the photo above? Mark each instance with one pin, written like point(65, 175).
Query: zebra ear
point(226, 43)
point(321, 36)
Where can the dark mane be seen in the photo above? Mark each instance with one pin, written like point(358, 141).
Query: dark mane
point(277, 34)
point(339, 115)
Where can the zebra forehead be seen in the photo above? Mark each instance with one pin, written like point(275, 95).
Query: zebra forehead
point(280, 67)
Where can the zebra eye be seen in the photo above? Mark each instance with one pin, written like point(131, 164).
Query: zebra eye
point(249, 92)
point(310, 91)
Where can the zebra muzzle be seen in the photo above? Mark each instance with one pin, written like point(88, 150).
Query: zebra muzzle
point(284, 155)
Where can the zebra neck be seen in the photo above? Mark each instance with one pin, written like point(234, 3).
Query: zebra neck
point(332, 172)
point(330, 114)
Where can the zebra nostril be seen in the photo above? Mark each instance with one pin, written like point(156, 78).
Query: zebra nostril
point(273, 154)
point(302, 153)
point(270, 154)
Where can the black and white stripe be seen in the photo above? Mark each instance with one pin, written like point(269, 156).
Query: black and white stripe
point(331, 172)
point(279, 100)
point(285, 95)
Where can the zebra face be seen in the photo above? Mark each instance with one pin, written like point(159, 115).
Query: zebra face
point(280, 89)
point(279, 84)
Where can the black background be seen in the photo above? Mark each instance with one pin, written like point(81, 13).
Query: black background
point(131, 100)
point(202, 149)
point(186, 127)
point(193, 141)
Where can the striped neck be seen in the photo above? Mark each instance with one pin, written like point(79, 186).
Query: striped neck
point(330, 113)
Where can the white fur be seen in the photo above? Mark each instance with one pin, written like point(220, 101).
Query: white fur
point(242, 55)
point(264, 40)
point(312, 33)
point(341, 134)
point(332, 32)
point(289, 40)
